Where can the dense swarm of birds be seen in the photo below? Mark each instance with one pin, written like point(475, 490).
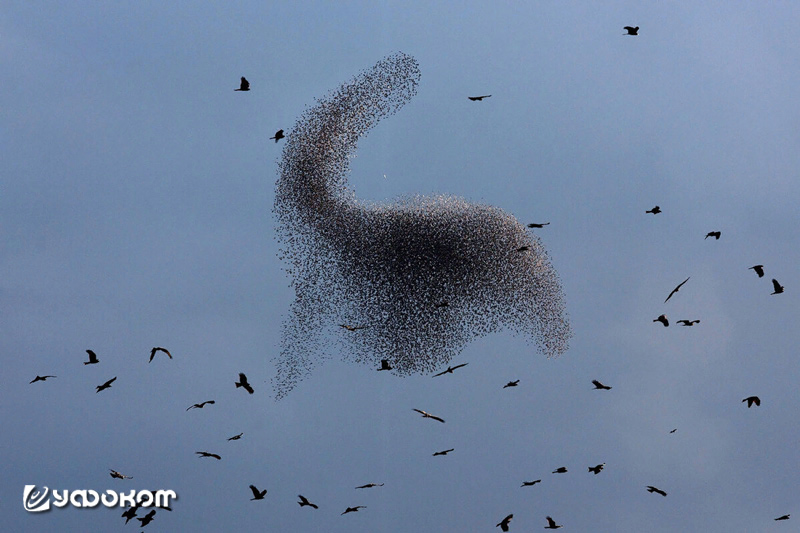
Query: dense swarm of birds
point(385, 266)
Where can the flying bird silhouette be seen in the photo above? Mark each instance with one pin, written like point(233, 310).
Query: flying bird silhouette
point(656, 210)
point(444, 452)
point(92, 358)
point(530, 483)
point(236, 437)
point(674, 430)
point(207, 454)
point(784, 517)
point(759, 270)
point(385, 365)
point(450, 369)
point(257, 494)
point(503, 525)
point(147, 518)
point(117, 475)
point(778, 288)
point(752, 400)
point(243, 383)
point(535, 225)
point(685, 322)
point(201, 405)
point(663, 319)
point(129, 513)
point(41, 378)
point(158, 349)
point(511, 384)
point(676, 289)
point(106, 385)
point(244, 85)
point(715, 234)
point(478, 98)
point(632, 30)
point(278, 135)
point(370, 485)
point(428, 415)
point(652, 489)
point(560, 470)
point(551, 524)
point(599, 386)
point(354, 509)
point(597, 469)
point(304, 502)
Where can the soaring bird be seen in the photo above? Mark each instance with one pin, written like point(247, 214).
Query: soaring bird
point(656, 210)
point(278, 135)
point(147, 518)
point(428, 415)
point(106, 385)
point(599, 386)
point(354, 509)
point(560, 470)
point(715, 234)
point(257, 494)
point(777, 286)
point(632, 30)
point(551, 524)
point(674, 430)
point(236, 437)
point(784, 517)
point(759, 270)
point(207, 454)
point(511, 384)
point(244, 85)
point(129, 513)
point(752, 400)
point(443, 452)
point(504, 522)
point(352, 328)
point(201, 405)
point(685, 322)
point(530, 483)
point(478, 98)
point(651, 489)
point(370, 485)
point(41, 378)
point(117, 475)
point(92, 358)
point(304, 501)
point(663, 319)
point(597, 469)
point(385, 365)
point(676, 289)
point(158, 349)
point(450, 369)
point(243, 383)
point(535, 225)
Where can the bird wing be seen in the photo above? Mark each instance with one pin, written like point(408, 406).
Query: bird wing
point(436, 418)
point(776, 285)
point(423, 413)
point(248, 388)
point(256, 492)
point(459, 366)
point(550, 522)
point(441, 374)
point(152, 354)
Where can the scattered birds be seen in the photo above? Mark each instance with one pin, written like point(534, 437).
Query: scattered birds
point(656, 210)
point(444, 452)
point(685, 322)
point(676, 289)
point(759, 269)
point(147, 518)
point(535, 225)
point(663, 319)
point(352, 328)
point(599, 386)
point(551, 524)
point(354, 509)
point(560, 470)
point(632, 30)
point(597, 469)
point(370, 485)
point(244, 85)
point(117, 475)
point(715, 234)
point(428, 415)
point(504, 522)
point(304, 502)
point(201, 405)
point(777, 286)
point(207, 454)
point(278, 135)
point(530, 483)
point(258, 494)
point(158, 349)
point(106, 385)
point(236, 437)
point(511, 384)
point(478, 98)
point(450, 369)
point(41, 378)
point(92, 358)
point(652, 489)
point(784, 517)
point(243, 383)
point(385, 365)
point(752, 400)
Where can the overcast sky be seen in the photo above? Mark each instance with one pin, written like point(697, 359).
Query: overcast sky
point(136, 211)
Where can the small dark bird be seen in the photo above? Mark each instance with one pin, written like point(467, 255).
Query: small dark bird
point(428, 415)
point(551, 524)
point(688, 322)
point(278, 135)
point(236, 437)
point(303, 502)
point(257, 494)
point(560, 470)
point(715, 234)
point(92, 358)
point(385, 365)
point(674, 430)
point(207, 454)
point(530, 483)
point(777, 286)
point(523, 248)
point(41, 378)
point(201, 405)
point(511, 384)
point(632, 30)
point(117, 475)
point(535, 225)
point(759, 270)
point(478, 98)
point(147, 518)
point(243, 383)
point(158, 349)
point(504, 523)
point(663, 319)
point(752, 400)
point(354, 509)
point(599, 386)
point(676, 289)
point(444, 303)
point(106, 385)
point(129, 513)
point(370, 485)
point(244, 85)
point(450, 369)
point(656, 210)
point(443, 452)
point(597, 469)
point(352, 328)
point(784, 517)
point(651, 489)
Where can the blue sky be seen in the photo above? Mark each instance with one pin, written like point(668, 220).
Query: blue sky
point(136, 211)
